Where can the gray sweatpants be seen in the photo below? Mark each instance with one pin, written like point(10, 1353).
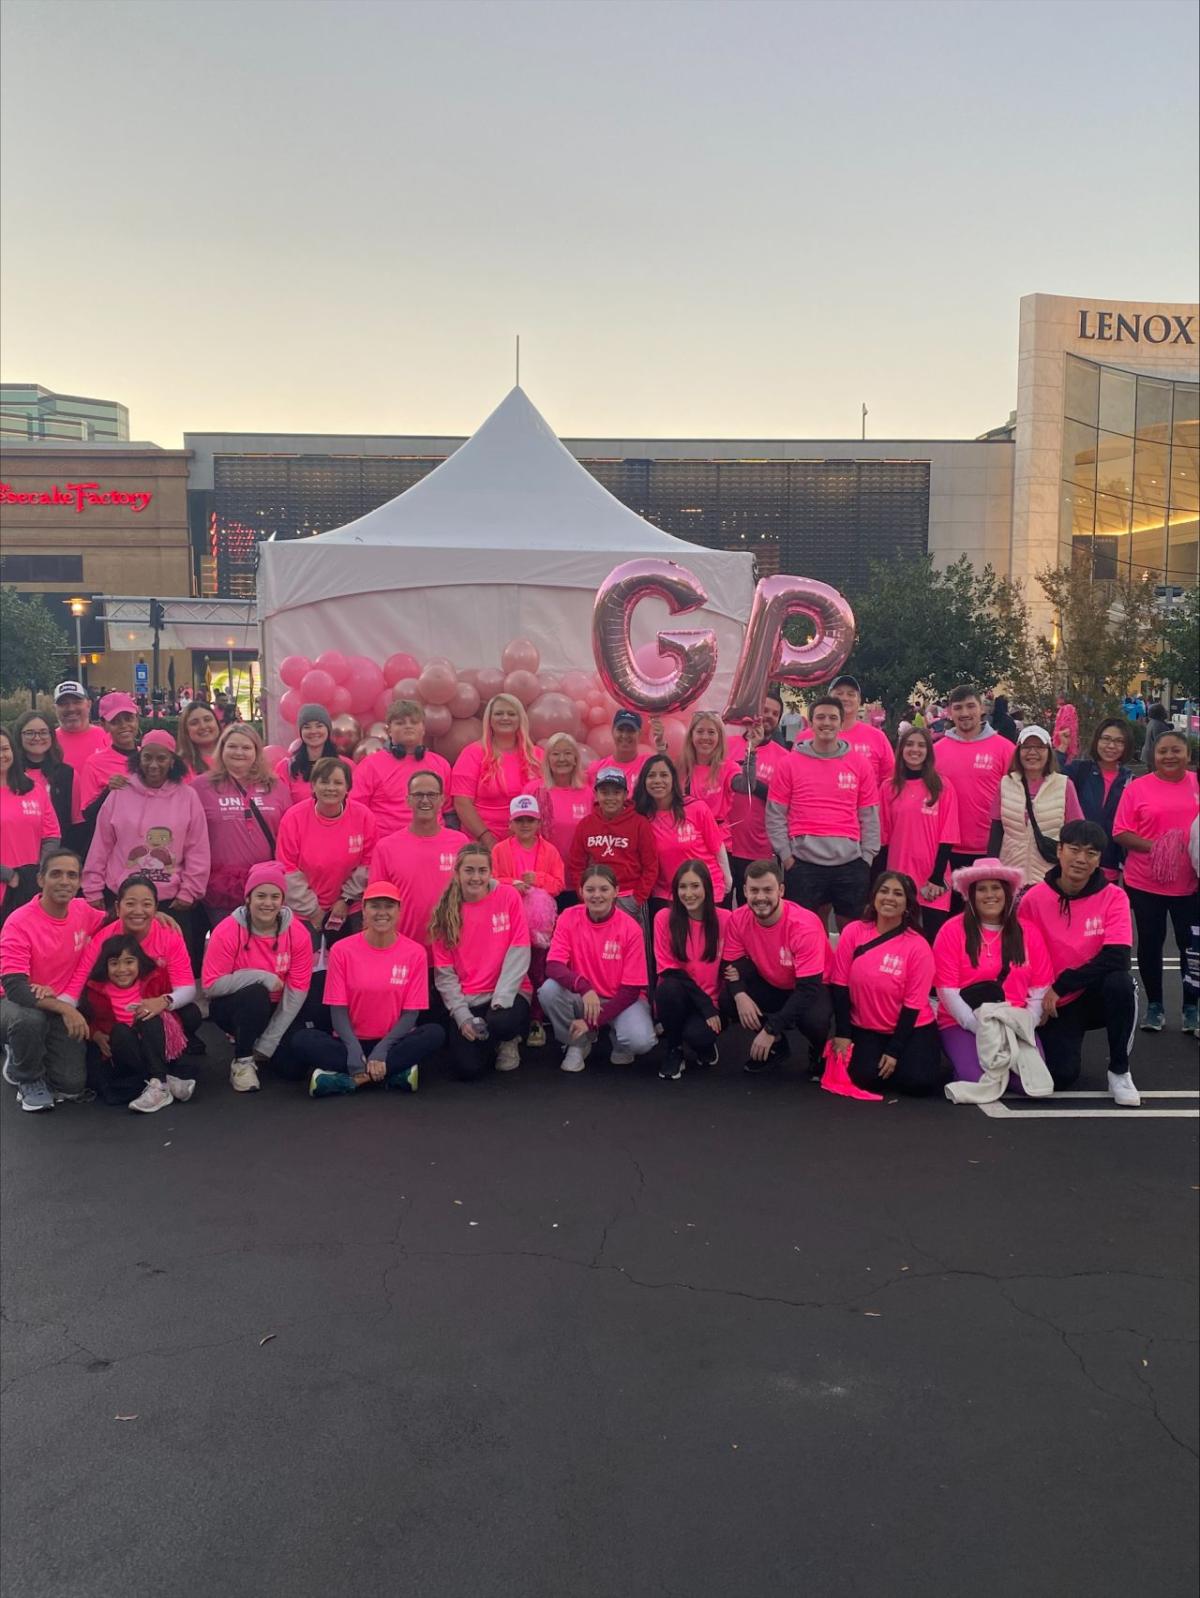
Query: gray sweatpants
point(39, 1047)
point(632, 1030)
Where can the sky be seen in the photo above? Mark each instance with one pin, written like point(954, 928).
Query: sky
point(704, 219)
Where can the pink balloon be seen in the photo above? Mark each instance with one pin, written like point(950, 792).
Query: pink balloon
point(382, 705)
point(335, 663)
point(406, 688)
point(549, 714)
point(365, 684)
point(465, 701)
point(469, 674)
point(768, 657)
point(578, 684)
point(378, 729)
point(489, 682)
point(587, 756)
point(597, 716)
point(581, 709)
point(675, 731)
point(597, 696)
point(601, 740)
point(451, 744)
point(293, 668)
point(289, 704)
point(347, 733)
point(273, 754)
point(520, 655)
point(692, 652)
point(549, 682)
point(437, 683)
point(400, 665)
point(369, 746)
point(316, 688)
point(438, 721)
point(523, 685)
point(652, 664)
point(339, 701)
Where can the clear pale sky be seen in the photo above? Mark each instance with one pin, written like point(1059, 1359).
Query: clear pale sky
point(729, 220)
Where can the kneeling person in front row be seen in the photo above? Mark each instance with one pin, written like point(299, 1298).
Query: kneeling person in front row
point(596, 976)
point(1086, 926)
point(777, 955)
point(376, 988)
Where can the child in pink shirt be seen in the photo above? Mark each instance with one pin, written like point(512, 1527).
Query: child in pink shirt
point(381, 780)
point(135, 1034)
point(534, 867)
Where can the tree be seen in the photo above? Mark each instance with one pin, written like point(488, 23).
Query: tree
point(1179, 662)
point(1106, 635)
point(917, 624)
point(31, 643)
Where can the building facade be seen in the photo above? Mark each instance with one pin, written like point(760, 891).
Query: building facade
point(29, 412)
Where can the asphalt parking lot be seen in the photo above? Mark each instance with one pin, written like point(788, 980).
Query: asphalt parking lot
point(602, 1336)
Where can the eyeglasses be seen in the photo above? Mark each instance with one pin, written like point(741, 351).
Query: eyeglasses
point(33, 733)
point(419, 798)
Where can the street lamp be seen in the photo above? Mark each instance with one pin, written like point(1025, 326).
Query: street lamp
point(79, 608)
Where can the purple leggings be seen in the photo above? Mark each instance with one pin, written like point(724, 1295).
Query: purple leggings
point(958, 1045)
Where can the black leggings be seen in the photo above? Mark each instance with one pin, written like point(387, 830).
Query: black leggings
point(920, 1067)
point(139, 1052)
point(471, 1059)
point(1150, 912)
point(1110, 1006)
point(813, 1022)
point(245, 1016)
point(677, 1002)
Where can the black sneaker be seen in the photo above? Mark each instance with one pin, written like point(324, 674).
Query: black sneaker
point(776, 1058)
point(672, 1067)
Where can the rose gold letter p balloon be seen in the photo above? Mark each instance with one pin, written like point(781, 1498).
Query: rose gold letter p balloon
point(768, 657)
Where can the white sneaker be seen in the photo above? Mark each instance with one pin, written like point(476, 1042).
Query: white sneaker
point(244, 1077)
point(574, 1059)
point(508, 1056)
point(621, 1057)
point(1123, 1091)
point(155, 1095)
point(181, 1087)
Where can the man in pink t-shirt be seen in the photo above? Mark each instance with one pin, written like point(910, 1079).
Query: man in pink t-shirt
point(763, 750)
point(1085, 923)
point(626, 755)
point(866, 740)
point(420, 858)
point(78, 739)
point(777, 957)
point(973, 758)
point(44, 1035)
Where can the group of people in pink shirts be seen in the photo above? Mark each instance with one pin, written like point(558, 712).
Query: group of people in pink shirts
point(916, 915)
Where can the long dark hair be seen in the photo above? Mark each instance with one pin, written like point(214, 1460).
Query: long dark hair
point(302, 761)
point(928, 772)
point(15, 779)
point(1012, 941)
point(679, 921)
point(53, 756)
point(910, 921)
point(121, 943)
point(644, 804)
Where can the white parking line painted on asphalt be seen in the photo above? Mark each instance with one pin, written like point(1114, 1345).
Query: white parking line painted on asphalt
point(1001, 1111)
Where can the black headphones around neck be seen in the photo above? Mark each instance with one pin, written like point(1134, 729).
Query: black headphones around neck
point(418, 751)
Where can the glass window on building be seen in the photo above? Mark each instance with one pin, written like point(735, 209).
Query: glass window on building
point(1081, 391)
point(1118, 401)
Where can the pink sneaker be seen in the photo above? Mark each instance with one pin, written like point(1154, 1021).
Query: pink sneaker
point(155, 1096)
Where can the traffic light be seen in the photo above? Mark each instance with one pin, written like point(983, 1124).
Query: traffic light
point(158, 617)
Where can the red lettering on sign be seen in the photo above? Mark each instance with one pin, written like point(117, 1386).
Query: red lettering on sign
point(77, 494)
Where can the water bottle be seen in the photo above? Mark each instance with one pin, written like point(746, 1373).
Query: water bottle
point(480, 1028)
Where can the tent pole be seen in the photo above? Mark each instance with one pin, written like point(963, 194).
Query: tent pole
point(518, 360)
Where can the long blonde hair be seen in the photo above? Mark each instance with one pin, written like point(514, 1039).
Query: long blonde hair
point(260, 771)
point(689, 761)
point(530, 765)
point(548, 749)
point(445, 924)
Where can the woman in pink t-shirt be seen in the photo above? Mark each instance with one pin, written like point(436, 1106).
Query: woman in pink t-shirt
point(489, 775)
point(684, 829)
point(564, 800)
point(706, 771)
point(315, 728)
point(596, 976)
point(325, 846)
point(1152, 824)
point(27, 823)
point(985, 956)
point(376, 987)
point(919, 825)
point(689, 944)
point(481, 966)
point(880, 982)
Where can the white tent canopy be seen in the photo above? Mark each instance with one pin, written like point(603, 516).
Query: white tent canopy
point(509, 537)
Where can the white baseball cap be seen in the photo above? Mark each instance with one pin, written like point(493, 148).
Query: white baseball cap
point(524, 805)
point(70, 690)
point(1027, 733)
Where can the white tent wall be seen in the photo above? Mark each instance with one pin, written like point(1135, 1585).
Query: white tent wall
point(508, 538)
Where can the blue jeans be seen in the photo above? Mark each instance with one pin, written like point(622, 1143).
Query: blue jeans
point(318, 1051)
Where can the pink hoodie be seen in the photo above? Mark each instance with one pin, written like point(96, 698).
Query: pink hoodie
point(159, 832)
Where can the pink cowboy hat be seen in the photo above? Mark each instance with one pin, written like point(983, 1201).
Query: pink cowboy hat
point(986, 870)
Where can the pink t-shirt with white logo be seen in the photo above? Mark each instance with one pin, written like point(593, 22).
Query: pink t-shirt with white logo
point(747, 815)
point(952, 968)
point(493, 791)
point(869, 742)
point(696, 837)
point(93, 778)
point(491, 926)
point(326, 849)
point(631, 768)
point(78, 747)
point(893, 977)
point(165, 947)
point(706, 974)
point(824, 796)
point(1077, 937)
point(46, 948)
point(25, 820)
point(234, 947)
point(377, 985)
point(913, 826)
point(712, 787)
point(793, 947)
point(562, 811)
point(607, 954)
point(420, 867)
point(1151, 807)
point(381, 783)
point(973, 768)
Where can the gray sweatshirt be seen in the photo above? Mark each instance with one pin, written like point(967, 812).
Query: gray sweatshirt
point(291, 1000)
point(819, 850)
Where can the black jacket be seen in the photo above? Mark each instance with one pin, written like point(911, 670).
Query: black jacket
point(1089, 785)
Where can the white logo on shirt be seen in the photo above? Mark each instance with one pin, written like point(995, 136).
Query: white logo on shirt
point(983, 762)
point(1093, 927)
point(612, 949)
point(30, 807)
point(785, 955)
point(354, 841)
point(225, 802)
point(500, 921)
point(687, 833)
point(892, 965)
point(283, 962)
point(847, 779)
point(399, 975)
point(446, 862)
point(606, 842)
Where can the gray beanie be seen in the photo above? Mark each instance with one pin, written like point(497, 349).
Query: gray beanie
point(314, 713)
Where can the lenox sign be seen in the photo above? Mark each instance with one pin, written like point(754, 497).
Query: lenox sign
point(1114, 327)
point(77, 495)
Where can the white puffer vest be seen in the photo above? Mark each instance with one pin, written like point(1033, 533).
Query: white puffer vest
point(1019, 847)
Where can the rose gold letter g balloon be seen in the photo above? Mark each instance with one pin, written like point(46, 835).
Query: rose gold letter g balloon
point(694, 652)
point(768, 657)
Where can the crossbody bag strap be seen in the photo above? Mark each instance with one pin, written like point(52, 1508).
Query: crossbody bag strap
point(884, 937)
point(263, 823)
